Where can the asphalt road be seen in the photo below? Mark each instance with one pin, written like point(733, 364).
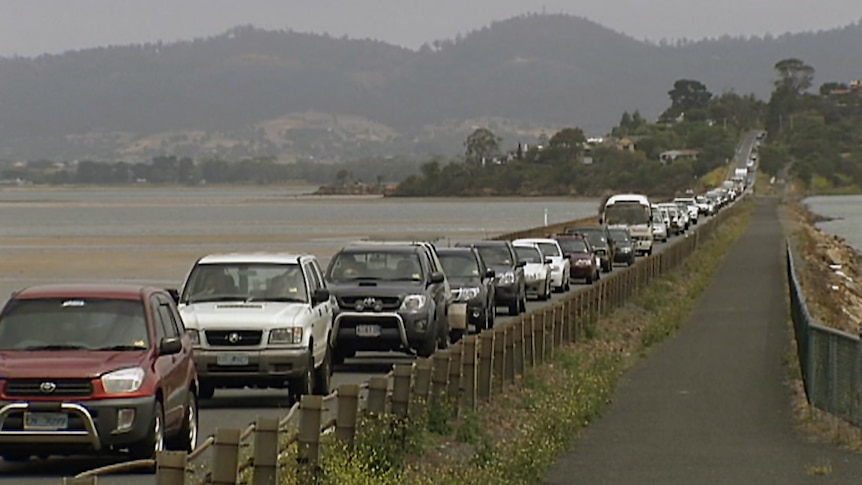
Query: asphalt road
point(237, 408)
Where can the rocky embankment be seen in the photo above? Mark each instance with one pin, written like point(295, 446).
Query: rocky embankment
point(829, 271)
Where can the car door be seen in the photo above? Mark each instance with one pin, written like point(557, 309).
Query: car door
point(321, 313)
point(171, 368)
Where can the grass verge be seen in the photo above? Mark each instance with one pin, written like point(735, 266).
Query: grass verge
point(517, 437)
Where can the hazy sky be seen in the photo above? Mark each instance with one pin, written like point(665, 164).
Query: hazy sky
point(32, 27)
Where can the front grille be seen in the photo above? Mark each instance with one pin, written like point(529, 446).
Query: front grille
point(390, 303)
point(40, 387)
point(233, 338)
point(232, 368)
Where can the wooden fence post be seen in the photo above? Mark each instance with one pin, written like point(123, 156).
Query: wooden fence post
point(529, 340)
point(454, 392)
point(520, 347)
point(226, 459)
point(499, 359)
point(401, 389)
point(539, 336)
point(511, 351)
point(468, 394)
point(266, 451)
point(378, 387)
point(170, 469)
point(310, 413)
point(486, 363)
point(422, 386)
point(348, 408)
point(560, 324)
point(439, 377)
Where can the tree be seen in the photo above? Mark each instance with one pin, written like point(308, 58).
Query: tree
point(568, 138)
point(481, 144)
point(794, 76)
point(687, 96)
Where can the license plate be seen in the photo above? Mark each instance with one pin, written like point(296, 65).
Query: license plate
point(46, 421)
point(368, 330)
point(232, 359)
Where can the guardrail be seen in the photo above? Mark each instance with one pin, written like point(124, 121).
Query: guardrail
point(830, 360)
point(475, 370)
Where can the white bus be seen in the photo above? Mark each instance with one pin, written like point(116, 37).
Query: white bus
point(633, 212)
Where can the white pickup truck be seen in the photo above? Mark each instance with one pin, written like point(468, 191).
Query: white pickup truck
point(259, 320)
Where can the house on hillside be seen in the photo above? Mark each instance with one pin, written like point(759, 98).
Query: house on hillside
point(671, 156)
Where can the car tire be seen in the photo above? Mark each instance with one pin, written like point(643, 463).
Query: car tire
point(299, 386)
point(456, 335)
point(427, 348)
point(154, 441)
point(205, 390)
point(491, 315)
point(323, 375)
point(588, 280)
point(515, 307)
point(186, 438)
point(443, 333)
point(522, 305)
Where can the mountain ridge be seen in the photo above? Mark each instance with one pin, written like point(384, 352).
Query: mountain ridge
point(534, 73)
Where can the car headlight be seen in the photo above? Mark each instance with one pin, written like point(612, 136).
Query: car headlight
point(194, 336)
point(289, 335)
point(123, 381)
point(626, 249)
point(413, 303)
point(507, 278)
point(469, 293)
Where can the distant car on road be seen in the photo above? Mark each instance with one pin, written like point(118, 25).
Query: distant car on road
point(537, 270)
point(472, 285)
point(624, 244)
point(601, 242)
point(559, 263)
point(95, 368)
point(583, 262)
point(510, 285)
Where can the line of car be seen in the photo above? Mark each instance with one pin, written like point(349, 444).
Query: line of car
point(105, 368)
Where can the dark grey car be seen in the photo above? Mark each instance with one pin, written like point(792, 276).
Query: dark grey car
point(602, 243)
point(624, 246)
point(472, 284)
point(389, 297)
point(509, 284)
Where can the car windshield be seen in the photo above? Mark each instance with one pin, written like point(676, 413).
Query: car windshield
point(74, 324)
point(622, 236)
point(246, 282)
point(495, 255)
point(529, 254)
point(549, 249)
point(627, 213)
point(574, 246)
point(596, 237)
point(460, 266)
point(375, 265)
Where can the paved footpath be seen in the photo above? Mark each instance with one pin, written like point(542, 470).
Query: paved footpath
point(710, 406)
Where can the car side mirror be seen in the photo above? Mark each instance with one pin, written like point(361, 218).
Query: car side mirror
point(521, 264)
point(170, 346)
point(437, 277)
point(601, 221)
point(548, 261)
point(490, 273)
point(320, 295)
point(175, 294)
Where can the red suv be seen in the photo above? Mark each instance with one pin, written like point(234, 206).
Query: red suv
point(95, 368)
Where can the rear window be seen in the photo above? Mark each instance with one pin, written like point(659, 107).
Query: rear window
point(460, 265)
point(549, 249)
point(495, 255)
point(529, 254)
point(573, 246)
point(74, 323)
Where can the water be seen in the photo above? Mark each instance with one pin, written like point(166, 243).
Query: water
point(155, 234)
point(845, 212)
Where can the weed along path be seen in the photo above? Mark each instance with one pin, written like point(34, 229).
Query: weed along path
point(710, 405)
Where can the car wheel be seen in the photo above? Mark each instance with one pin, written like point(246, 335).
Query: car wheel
point(522, 306)
point(588, 280)
point(205, 390)
point(299, 386)
point(323, 375)
point(515, 307)
point(443, 333)
point(491, 315)
point(186, 438)
point(456, 334)
point(154, 442)
point(427, 348)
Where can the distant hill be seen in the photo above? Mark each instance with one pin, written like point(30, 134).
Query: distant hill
point(300, 96)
